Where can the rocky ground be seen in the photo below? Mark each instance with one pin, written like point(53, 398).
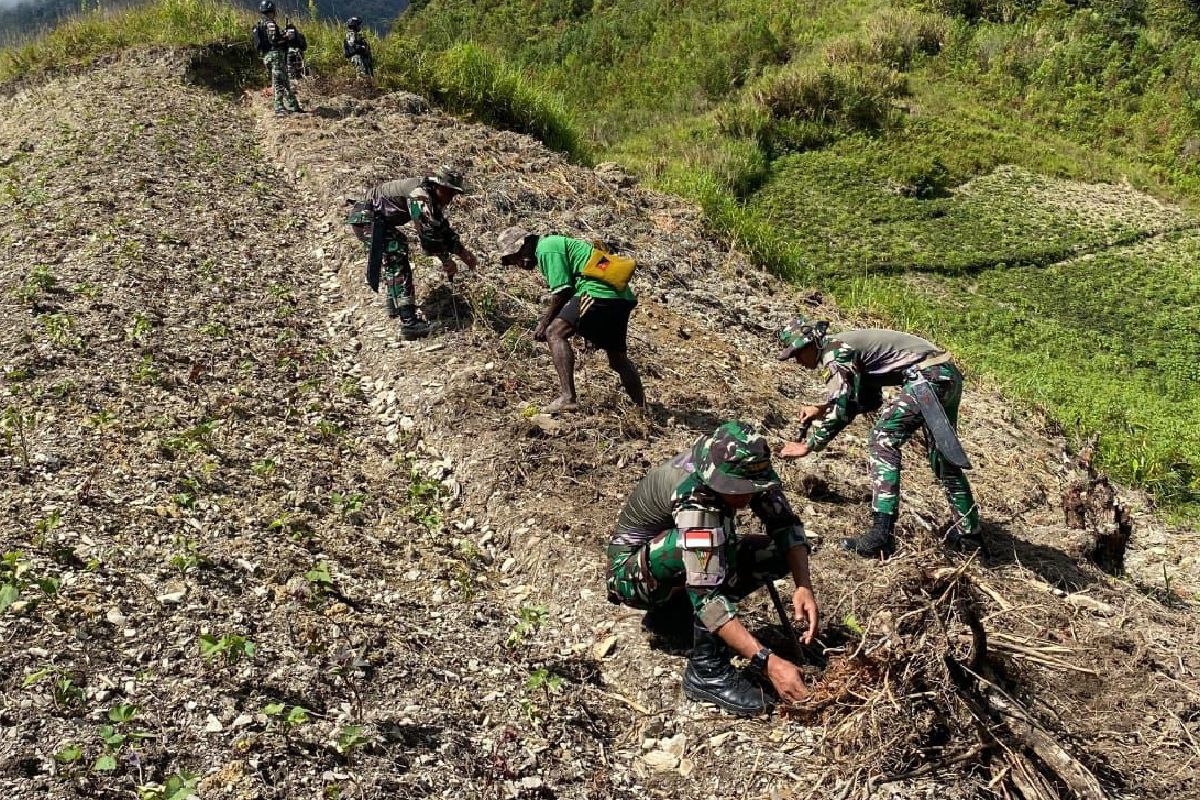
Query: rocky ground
point(257, 545)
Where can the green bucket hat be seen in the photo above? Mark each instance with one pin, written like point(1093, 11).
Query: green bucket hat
point(798, 333)
point(735, 460)
point(449, 177)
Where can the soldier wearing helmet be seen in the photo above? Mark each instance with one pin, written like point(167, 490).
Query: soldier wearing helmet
point(858, 364)
point(356, 48)
point(677, 553)
point(377, 220)
point(272, 41)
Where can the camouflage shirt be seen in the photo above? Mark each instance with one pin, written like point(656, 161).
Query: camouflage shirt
point(411, 200)
point(672, 495)
point(858, 363)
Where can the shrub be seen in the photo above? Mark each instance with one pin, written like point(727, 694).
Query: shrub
point(856, 97)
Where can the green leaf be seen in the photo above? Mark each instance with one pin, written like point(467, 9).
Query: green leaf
point(209, 645)
point(248, 648)
point(105, 763)
point(123, 712)
point(9, 594)
point(69, 754)
point(297, 716)
point(273, 709)
point(35, 677)
point(179, 786)
point(49, 586)
point(143, 735)
point(109, 735)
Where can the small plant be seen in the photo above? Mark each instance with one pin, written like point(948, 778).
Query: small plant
point(58, 328)
point(530, 619)
point(350, 739)
point(179, 786)
point(102, 420)
point(16, 429)
point(423, 499)
point(328, 429)
point(139, 328)
point(545, 681)
point(319, 578)
point(345, 505)
point(264, 467)
point(215, 330)
point(231, 647)
point(48, 523)
point(286, 722)
point(16, 577)
point(145, 372)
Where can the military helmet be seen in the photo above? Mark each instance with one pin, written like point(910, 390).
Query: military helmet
point(266, 7)
point(449, 177)
point(354, 23)
point(511, 240)
point(734, 459)
point(799, 333)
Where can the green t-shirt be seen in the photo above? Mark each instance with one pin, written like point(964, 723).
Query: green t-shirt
point(560, 260)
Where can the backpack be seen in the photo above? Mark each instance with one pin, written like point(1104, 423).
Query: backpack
point(298, 40)
point(610, 269)
point(261, 42)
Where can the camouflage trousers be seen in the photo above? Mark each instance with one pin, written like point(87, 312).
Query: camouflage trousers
point(363, 64)
point(276, 61)
point(645, 577)
point(396, 271)
point(897, 423)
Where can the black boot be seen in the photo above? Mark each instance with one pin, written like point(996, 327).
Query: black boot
point(411, 325)
point(710, 678)
point(876, 542)
point(392, 309)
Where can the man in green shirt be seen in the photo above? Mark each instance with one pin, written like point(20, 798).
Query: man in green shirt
point(578, 304)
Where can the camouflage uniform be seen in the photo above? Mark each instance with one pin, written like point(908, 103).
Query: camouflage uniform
point(676, 533)
point(276, 60)
point(858, 364)
point(394, 204)
point(356, 48)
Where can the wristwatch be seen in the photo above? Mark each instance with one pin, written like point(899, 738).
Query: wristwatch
point(759, 662)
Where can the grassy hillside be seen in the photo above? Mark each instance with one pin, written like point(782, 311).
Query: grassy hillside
point(965, 169)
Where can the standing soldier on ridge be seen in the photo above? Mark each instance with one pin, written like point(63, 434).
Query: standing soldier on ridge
point(356, 48)
point(272, 43)
point(580, 303)
point(859, 363)
point(377, 220)
point(677, 554)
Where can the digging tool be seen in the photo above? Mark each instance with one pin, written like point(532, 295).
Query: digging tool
point(454, 303)
point(945, 438)
point(375, 254)
point(783, 617)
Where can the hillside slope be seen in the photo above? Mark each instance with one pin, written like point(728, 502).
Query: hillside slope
point(216, 432)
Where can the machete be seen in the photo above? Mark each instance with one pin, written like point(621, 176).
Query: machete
point(375, 254)
point(945, 438)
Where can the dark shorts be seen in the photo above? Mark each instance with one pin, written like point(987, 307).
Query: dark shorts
point(603, 322)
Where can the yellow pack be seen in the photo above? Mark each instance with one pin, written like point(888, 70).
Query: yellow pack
point(611, 269)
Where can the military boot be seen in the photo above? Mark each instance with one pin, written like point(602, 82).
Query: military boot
point(392, 309)
point(710, 678)
point(877, 541)
point(411, 325)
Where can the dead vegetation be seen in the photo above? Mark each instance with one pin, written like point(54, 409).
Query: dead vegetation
point(420, 571)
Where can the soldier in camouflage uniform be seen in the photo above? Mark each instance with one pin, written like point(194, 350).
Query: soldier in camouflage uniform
point(272, 42)
point(356, 48)
point(421, 201)
point(858, 364)
point(676, 546)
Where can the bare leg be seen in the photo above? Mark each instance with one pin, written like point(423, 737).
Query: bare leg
point(557, 336)
point(630, 379)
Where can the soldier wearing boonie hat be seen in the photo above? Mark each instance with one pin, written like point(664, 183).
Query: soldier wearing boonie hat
point(858, 364)
point(377, 220)
point(677, 554)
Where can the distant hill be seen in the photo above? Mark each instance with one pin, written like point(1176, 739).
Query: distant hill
point(19, 19)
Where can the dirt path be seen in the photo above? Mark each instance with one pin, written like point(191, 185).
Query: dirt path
point(414, 552)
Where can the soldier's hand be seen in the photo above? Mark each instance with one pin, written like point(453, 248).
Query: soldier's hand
point(469, 259)
point(810, 413)
point(793, 450)
point(449, 268)
point(786, 679)
point(539, 334)
point(804, 604)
